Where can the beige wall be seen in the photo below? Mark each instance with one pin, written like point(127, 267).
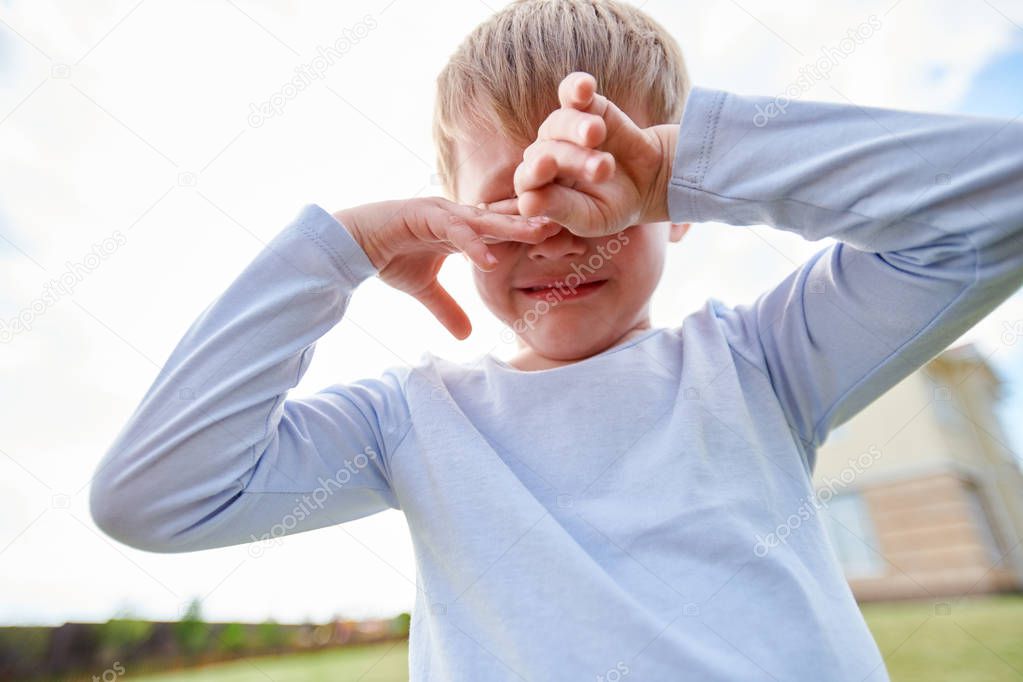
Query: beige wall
point(933, 439)
point(902, 424)
point(930, 541)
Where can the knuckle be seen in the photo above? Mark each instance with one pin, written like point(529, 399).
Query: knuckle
point(455, 223)
point(567, 117)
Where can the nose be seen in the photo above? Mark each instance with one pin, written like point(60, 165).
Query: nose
point(559, 245)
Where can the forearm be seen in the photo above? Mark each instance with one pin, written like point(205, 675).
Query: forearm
point(937, 188)
point(194, 442)
point(926, 214)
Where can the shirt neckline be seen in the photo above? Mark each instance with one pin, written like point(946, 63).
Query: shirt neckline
point(505, 367)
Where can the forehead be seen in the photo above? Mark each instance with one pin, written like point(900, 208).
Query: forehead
point(485, 161)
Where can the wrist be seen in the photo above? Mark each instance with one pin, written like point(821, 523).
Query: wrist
point(656, 204)
point(349, 221)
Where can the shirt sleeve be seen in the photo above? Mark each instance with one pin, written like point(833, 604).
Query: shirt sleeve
point(928, 220)
point(216, 454)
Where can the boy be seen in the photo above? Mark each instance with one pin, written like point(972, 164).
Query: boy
point(590, 509)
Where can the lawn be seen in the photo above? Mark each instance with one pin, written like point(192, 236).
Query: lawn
point(966, 641)
point(376, 663)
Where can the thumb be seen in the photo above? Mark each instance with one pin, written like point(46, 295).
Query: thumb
point(439, 302)
point(578, 90)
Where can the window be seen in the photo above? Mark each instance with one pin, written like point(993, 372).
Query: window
point(851, 532)
point(947, 407)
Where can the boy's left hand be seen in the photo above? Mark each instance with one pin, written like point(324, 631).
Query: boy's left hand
point(591, 168)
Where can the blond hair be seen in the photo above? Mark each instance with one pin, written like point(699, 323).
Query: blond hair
point(504, 76)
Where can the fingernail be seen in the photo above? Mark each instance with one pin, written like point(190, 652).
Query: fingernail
point(538, 220)
point(481, 205)
point(490, 259)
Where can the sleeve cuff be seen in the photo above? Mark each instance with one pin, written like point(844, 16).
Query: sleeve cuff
point(696, 138)
point(337, 242)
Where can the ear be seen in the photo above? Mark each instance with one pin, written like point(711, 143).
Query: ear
point(678, 230)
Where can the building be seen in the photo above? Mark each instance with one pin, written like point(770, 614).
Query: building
point(921, 493)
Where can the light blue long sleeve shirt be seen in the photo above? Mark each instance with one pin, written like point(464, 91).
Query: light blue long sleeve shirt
point(609, 530)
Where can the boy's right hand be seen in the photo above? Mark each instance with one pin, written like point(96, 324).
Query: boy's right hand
point(408, 240)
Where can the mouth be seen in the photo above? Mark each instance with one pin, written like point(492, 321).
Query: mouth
point(560, 290)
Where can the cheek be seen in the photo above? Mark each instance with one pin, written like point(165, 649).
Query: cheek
point(493, 288)
point(498, 280)
point(639, 263)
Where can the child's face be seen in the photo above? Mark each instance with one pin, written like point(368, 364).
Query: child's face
point(577, 319)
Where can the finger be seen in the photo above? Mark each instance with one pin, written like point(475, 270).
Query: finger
point(574, 163)
point(564, 164)
point(505, 206)
point(576, 90)
point(570, 125)
point(508, 206)
point(465, 239)
point(503, 226)
point(547, 231)
point(533, 173)
point(563, 205)
point(439, 302)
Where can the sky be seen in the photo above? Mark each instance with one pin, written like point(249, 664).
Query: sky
point(130, 156)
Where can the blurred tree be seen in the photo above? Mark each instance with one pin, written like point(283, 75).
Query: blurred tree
point(271, 635)
point(191, 632)
point(120, 637)
point(233, 638)
point(400, 624)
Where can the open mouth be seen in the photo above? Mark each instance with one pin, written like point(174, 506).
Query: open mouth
point(560, 291)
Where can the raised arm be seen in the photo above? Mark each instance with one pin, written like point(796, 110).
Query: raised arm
point(927, 211)
point(215, 454)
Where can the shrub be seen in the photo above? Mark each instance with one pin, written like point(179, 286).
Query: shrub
point(191, 632)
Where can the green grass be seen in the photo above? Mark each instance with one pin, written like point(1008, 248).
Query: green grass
point(977, 640)
point(375, 663)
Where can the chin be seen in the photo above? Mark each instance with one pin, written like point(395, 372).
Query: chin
point(569, 339)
